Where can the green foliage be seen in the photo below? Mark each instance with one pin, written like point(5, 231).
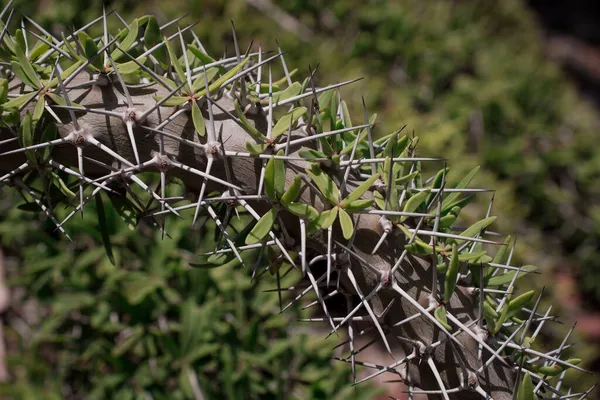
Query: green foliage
point(132, 318)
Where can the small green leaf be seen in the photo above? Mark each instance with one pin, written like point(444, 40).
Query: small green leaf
point(262, 227)
point(302, 210)
point(17, 69)
point(173, 101)
point(358, 205)
point(451, 274)
point(414, 202)
point(294, 90)
point(130, 67)
point(517, 304)
point(152, 38)
point(128, 41)
point(175, 61)
point(525, 391)
point(491, 316)
point(203, 57)
point(38, 111)
point(452, 197)
point(346, 115)
point(311, 154)
point(346, 223)
point(90, 49)
point(292, 191)
point(65, 74)
point(229, 74)
point(476, 228)
point(548, 370)
point(60, 185)
point(39, 49)
point(70, 49)
point(248, 126)
point(437, 183)
point(275, 177)
point(360, 190)
point(327, 218)
point(26, 137)
point(256, 149)
point(3, 90)
point(283, 124)
point(198, 120)
point(199, 82)
point(325, 184)
point(440, 315)
point(26, 66)
point(507, 277)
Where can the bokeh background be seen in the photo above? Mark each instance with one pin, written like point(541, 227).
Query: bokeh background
point(513, 86)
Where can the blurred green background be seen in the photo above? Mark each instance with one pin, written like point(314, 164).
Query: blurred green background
point(481, 82)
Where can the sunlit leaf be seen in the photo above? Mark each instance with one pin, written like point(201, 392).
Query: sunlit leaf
point(262, 227)
point(346, 223)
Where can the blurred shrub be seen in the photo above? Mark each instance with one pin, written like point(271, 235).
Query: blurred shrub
point(136, 322)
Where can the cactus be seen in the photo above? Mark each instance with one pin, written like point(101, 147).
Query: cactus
point(290, 182)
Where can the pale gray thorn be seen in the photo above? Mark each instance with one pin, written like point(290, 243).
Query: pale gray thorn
point(69, 37)
point(288, 139)
point(55, 48)
point(350, 275)
point(326, 297)
point(105, 32)
point(319, 297)
point(209, 163)
point(155, 107)
point(40, 204)
point(246, 71)
point(8, 141)
point(188, 72)
point(121, 82)
point(25, 37)
point(81, 175)
point(159, 45)
point(303, 245)
point(329, 255)
point(547, 357)
point(259, 71)
point(88, 62)
point(92, 110)
point(369, 136)
point(351, 339)
point(311, 138)
point(284, 65)
point(358, 307)
point(35, 146)
point(475, 337)
point(270, 109)
point(92, 140)
point(6, 7)
point(215, 218)
point(423, 311)
point(256, 216)
point(73, 173)
point(7, 23)
point(144, 68)
point(14, 172)
point(212, 133)
point(531, 315)
point(320, 90)
point(152, 193)
point(202, 174)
